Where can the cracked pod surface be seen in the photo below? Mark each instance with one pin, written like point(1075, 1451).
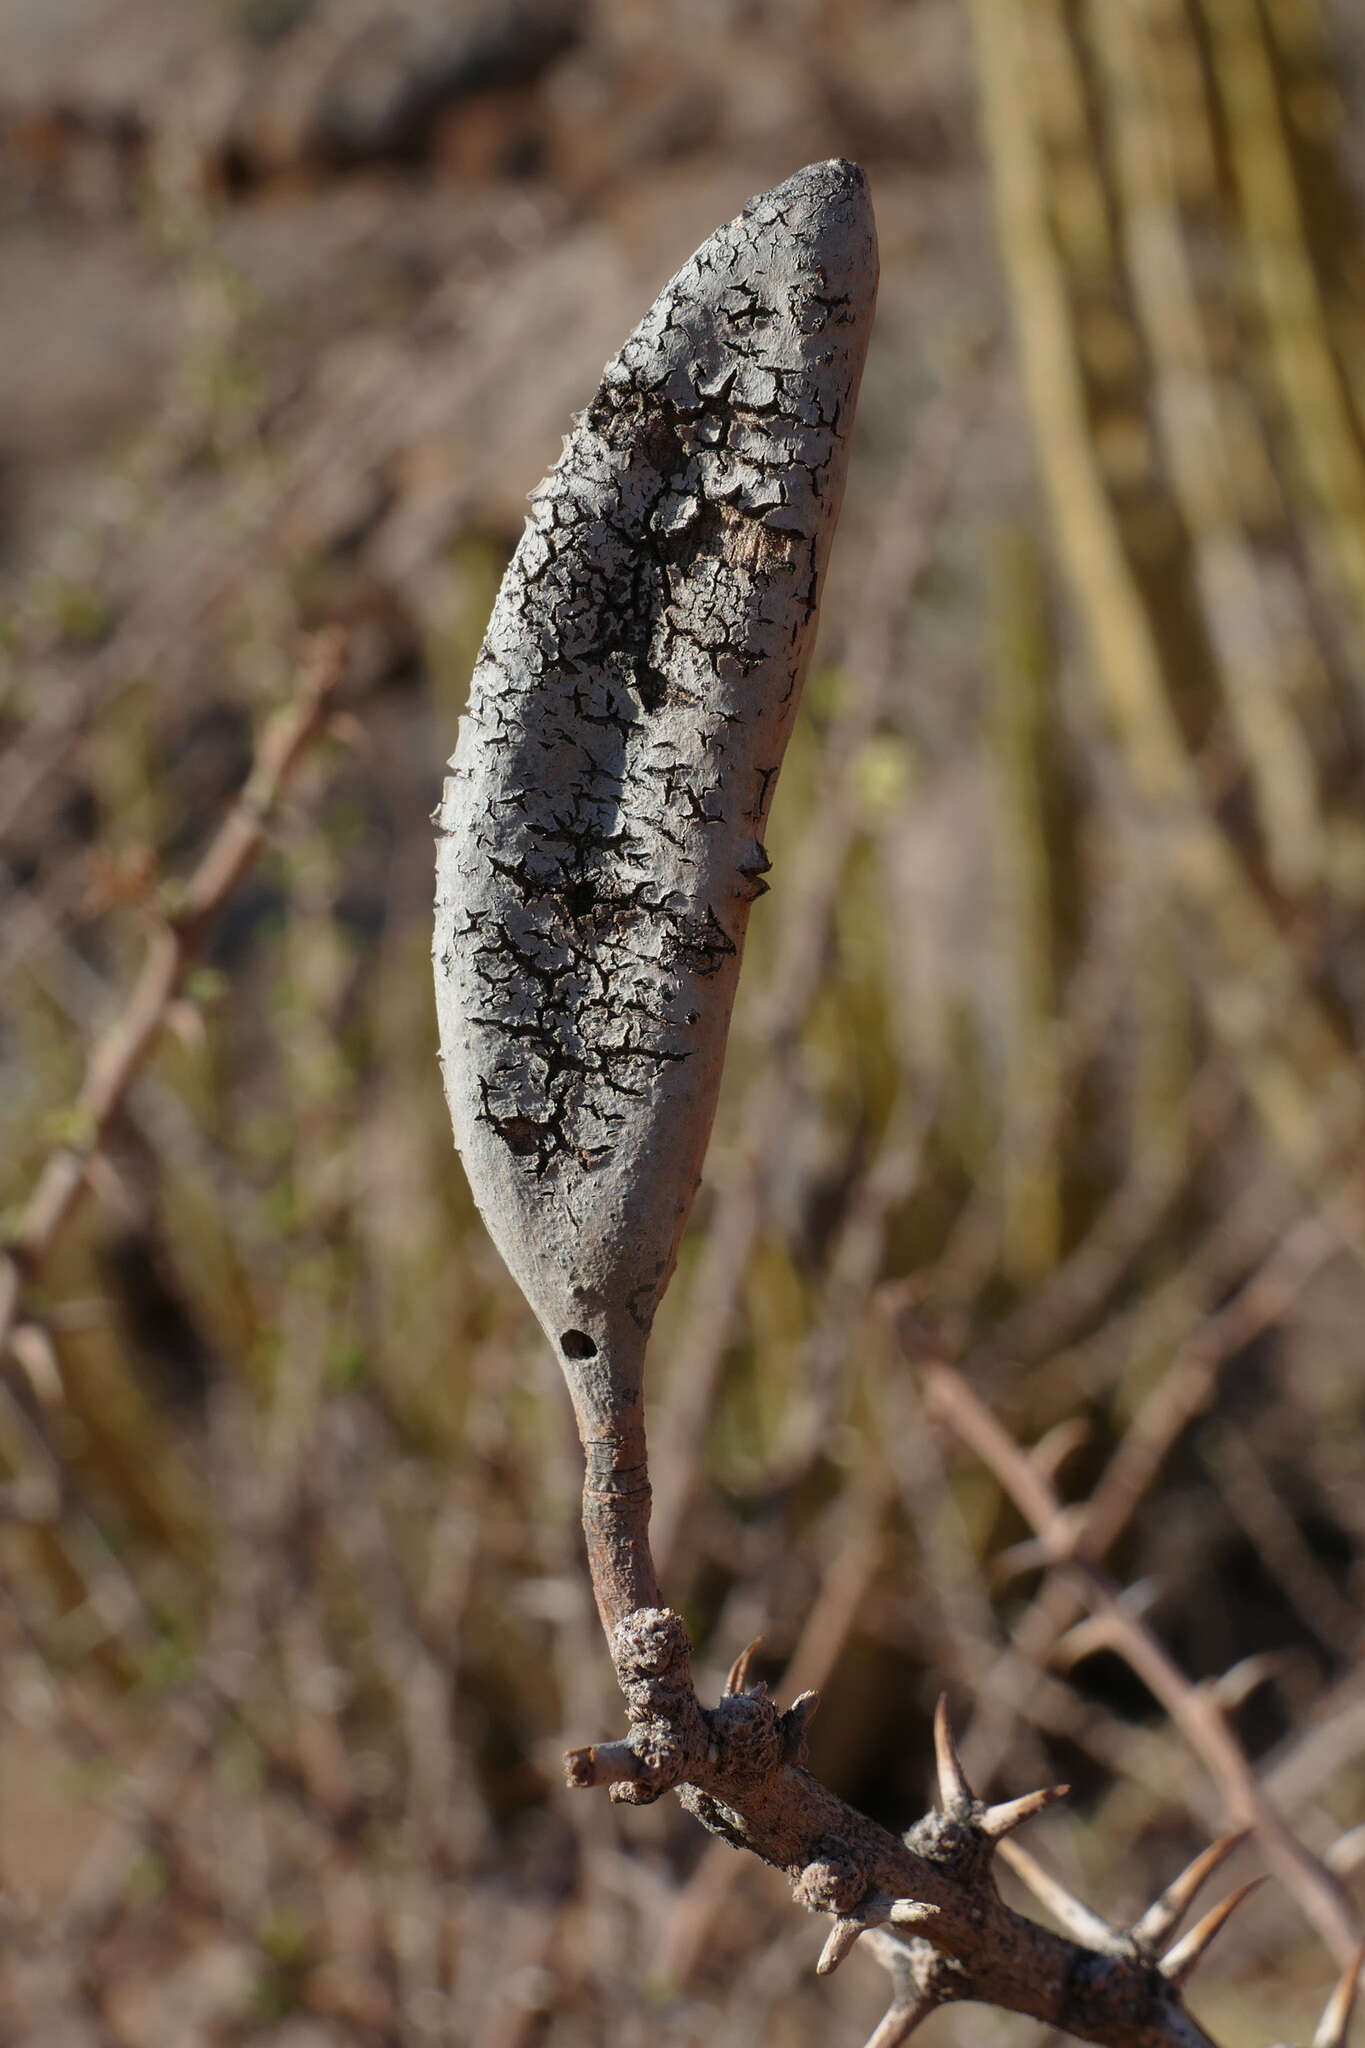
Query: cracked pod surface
point(601, 829)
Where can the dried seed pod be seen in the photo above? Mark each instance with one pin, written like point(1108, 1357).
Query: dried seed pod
point(602, 825)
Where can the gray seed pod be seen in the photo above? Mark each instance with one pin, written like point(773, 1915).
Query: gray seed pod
point(602, 825)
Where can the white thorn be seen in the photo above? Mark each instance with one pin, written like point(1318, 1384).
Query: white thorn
point(999, 1821)
point(954, 1793)
point(909, 1914)
point(838, 1942)
point(898, 2023)
point(1335, 2023)
point(1076, 1917)
point(803, 1708)
point(1169, 1908)
point(1178, 1963)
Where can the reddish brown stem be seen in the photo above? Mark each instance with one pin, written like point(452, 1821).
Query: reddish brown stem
point(616, 1504)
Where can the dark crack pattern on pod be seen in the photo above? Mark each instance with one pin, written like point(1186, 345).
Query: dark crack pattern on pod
point(602, 824)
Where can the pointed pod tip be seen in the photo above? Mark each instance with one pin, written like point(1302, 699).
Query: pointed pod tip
point(834, 177)
point(827, 207)
point(841, 178)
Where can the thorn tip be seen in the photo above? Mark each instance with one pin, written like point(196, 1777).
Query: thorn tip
point(1001, 1820)
point(910, 1912)
point(1335, 2023)
point(738, 1680)
point(954, 1793)
point(1178, 1963)
point(1170, 1906)
point(840, 1939)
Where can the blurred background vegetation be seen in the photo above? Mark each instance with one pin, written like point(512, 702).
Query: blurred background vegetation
point(1046, 1059)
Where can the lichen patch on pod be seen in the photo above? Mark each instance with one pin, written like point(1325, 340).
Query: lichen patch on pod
point(602, 824)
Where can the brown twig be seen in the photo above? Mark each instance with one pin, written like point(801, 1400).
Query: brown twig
point(818, 1649)
point(189, 914)
point(1183, 1393)
point(1194, 1709)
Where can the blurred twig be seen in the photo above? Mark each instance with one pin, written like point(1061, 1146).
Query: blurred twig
point(190, 912)
point(1182, 1393)
point(1194, 1709)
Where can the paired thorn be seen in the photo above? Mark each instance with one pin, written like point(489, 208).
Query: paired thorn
point(954, 1793)
point(1161, 1917)
point(1169, 1908)
point(1178, 1963)
point(1335, 2023)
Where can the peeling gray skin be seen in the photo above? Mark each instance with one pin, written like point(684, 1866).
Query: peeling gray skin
point(602, 826)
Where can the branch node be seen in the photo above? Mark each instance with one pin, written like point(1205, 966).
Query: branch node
point(834, 1882)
